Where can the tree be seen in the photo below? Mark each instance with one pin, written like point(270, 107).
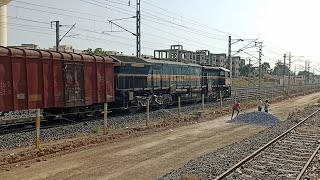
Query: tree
point(246, 70)
point(280, 69)
point(265, 67)
point(97, 51)
point(88, 51)
point(302, 73)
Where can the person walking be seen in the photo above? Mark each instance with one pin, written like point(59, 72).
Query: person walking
point(266, 106)
point(260, 105)
point(236, 107)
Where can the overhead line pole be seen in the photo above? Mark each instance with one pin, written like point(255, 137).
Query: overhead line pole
point(308, 72)
point(305, 74)
point(229, 56)
point(284, 71)
point(57, 34)
point(289, 73)
point(260, 56)
point(138, 53)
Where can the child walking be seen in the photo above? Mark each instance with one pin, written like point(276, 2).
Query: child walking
point(266, 106)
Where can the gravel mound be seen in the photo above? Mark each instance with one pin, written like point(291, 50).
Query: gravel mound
point(257, 118)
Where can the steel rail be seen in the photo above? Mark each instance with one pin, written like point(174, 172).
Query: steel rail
point(254, 154)
point(308, 163)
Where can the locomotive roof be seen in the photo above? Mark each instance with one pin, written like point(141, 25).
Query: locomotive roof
point(129, 59)
point(220, 68)
point(133, 59)
point(171, 62)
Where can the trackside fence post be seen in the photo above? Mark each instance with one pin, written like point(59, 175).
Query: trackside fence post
point(220, 94)
point(105, 118)
point(38, 119)
point(148, 111)
point(202, 102)
point(179, 107)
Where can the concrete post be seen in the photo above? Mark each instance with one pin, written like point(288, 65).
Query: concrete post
point(202, 102)
point(179, 107)
point(220, 93)
point(148, 111)
point(38, 119)
point(3, 25)
point(105, 119)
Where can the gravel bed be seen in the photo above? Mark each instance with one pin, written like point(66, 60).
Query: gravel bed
point(211, 165)
point(313, 172)
point(23, 139)
point(257, 118)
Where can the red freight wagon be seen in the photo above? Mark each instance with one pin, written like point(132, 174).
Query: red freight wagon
point(31, 79)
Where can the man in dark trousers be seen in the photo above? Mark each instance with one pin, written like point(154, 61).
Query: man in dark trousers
point(236, 107)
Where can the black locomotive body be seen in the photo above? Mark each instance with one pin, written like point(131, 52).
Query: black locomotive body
point(163, 82)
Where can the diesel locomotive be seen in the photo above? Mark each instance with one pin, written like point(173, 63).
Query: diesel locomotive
point(163, 82)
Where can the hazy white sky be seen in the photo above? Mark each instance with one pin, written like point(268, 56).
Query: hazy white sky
point(282, 25)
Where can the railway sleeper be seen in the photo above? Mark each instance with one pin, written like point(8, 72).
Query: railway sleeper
point(299, 135)
point(273, 170)
point(299, 142)
point(293, 149)
point(285, 160)
point(293, 152)
point(242, 176)
point(307, 134)
point(250, 171)
point(287, 156)
point(277, 163)
point(294, 145)
point(306, 139)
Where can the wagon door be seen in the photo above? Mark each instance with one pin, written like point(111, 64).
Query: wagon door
point(74, 84)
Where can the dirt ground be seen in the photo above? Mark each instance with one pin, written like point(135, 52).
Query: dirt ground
point(151, 156)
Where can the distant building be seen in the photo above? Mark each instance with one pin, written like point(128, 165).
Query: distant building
point(26, 46)
point(220, 60)
point(202, 57)
point(235, 66)
point(113, 53)
point(175, 53)
point(242, 62)
point(65, 48)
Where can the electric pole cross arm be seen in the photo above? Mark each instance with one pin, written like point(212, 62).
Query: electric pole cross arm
point(58, 39)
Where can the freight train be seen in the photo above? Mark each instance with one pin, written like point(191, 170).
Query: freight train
point(71, 85)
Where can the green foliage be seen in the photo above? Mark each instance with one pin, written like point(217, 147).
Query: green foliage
point(302, 73)
point(97, 130)
point(246, 69)
point(97, 51)
point(280, 69)
point(265, 67)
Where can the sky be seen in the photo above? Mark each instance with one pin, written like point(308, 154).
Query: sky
point(282, 25)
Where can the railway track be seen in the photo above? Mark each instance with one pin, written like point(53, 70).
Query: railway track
point(288, 156)
point(242, 94)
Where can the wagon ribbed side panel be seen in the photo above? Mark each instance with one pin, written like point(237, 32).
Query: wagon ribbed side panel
point(90, 83)
point(109, 69)
point(6, 94)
